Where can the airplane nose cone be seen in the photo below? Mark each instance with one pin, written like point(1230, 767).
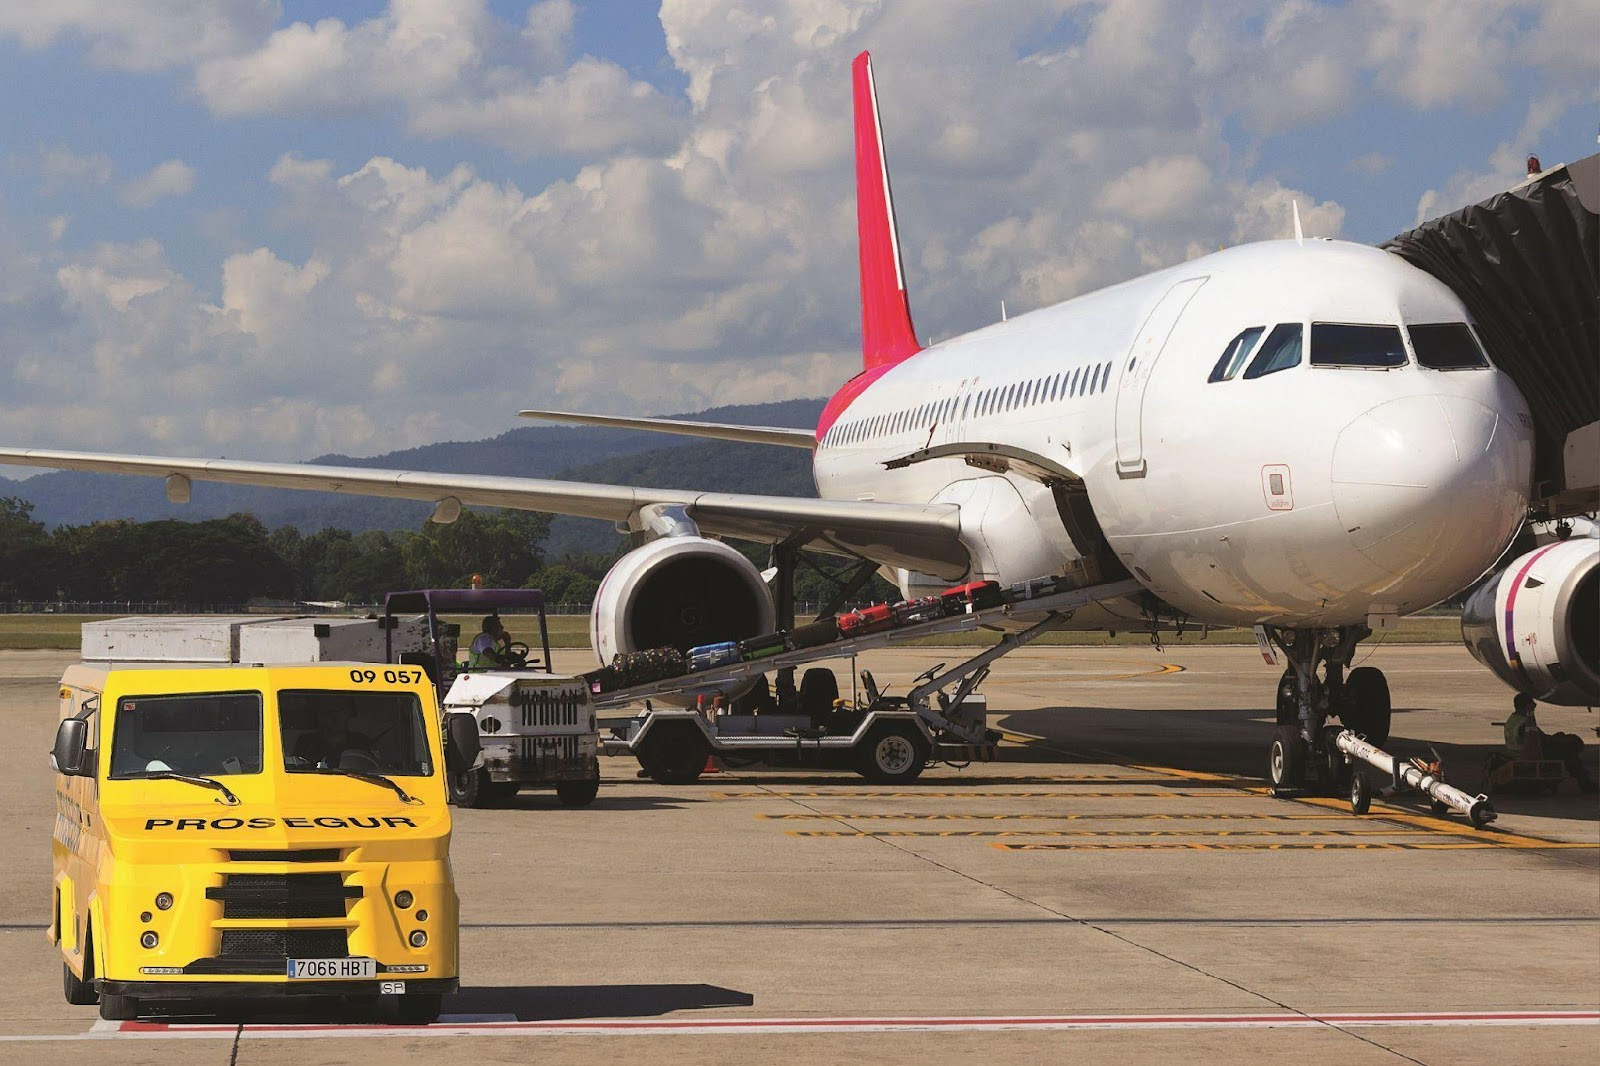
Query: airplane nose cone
point(1431, 487)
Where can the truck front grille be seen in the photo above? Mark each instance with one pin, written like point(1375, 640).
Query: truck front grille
point(283, 895)
point(549, 749)
point(297, 855)
point(285, 943)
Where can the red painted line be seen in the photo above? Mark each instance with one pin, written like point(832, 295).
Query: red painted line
point(1130, 1021)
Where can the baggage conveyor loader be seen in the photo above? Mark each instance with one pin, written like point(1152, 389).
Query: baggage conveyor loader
point(885, 739)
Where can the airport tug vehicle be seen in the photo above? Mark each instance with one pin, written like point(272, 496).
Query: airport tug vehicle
point(536, 728)
point(230, 831)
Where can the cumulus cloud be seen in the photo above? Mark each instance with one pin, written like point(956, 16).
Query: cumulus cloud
point(61, 164)
point(700, 250)
point(144, 36)
point(171, 178)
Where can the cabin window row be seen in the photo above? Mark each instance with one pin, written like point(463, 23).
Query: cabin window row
point(998, 399)
point(1438, 346)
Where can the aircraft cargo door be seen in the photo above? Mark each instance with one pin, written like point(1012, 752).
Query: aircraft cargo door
point(1136, 369)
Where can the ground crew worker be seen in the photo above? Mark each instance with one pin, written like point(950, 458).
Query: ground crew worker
point(1525, 740)
point(491, 647)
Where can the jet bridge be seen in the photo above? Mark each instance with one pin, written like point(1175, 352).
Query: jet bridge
point(1525, 263)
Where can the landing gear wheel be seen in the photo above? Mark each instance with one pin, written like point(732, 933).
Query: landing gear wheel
point(578, 793)
point(470, 788)
point(1335, 767)
point(1286, 767)
point(1360, 793)
point(1288, 698)
point(418, 1008)
point(675, 757)
point(893, 755)
point(118, 1008)
point(1368, 709)
point(78, 993)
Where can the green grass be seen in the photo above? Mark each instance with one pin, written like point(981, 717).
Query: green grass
point(61, 631)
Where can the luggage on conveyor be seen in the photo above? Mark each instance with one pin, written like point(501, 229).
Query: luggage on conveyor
point(1030, 589)
point(911, 612)
point(763, 646)
point(815, 634)
point(605, 679)
point(707, 656)
point(873, 619)
point(973, 596)
point(653, 664)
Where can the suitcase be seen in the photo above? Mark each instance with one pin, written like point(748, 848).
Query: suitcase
point(973, 596)
point(1030, 589)
point(814, 635)
point(873, 619)
point(761, 647)
point(654, 664)
point(911, 612)
point(710, 656)
point(605, 679)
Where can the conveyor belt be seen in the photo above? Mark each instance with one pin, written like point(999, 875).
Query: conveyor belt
point(1525, 263)
point(841, 649)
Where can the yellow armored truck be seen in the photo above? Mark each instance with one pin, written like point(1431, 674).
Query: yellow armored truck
point(226, 831)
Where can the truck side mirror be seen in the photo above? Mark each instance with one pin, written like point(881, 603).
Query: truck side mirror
point(70, 754)
point(461, 745)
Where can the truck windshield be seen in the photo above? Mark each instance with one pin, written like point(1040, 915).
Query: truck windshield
point(206, 734)
point(374, 732)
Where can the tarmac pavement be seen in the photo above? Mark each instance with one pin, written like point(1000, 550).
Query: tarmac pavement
point(1120, 884)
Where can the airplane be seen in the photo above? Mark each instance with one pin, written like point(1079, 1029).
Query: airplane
point(1304, 436)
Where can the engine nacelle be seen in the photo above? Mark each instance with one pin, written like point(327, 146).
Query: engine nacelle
point(679, 590)
point(1536, 623)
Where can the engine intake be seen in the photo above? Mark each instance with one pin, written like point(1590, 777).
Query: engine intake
point(1536, 623)
point(679, 590)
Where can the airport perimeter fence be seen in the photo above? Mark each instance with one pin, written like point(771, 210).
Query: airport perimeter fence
point(801, 610)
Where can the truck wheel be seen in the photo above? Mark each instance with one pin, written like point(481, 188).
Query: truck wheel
point(78, 993)
point(118, 1008)
point(578, 793)
point(675, 757)
point(418, 1008)
point(470, 789)
point(893, 755)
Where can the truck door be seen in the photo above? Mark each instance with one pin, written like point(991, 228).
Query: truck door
point(1141, 359)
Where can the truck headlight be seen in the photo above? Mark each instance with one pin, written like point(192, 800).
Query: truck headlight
point(163, 901)
point(419, 939)
point(149, 939)
point(402, 899)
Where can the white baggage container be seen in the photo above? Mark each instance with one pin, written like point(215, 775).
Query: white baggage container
point(174, 639)
point(324, 639)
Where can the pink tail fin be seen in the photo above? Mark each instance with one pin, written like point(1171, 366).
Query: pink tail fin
point(887, 335)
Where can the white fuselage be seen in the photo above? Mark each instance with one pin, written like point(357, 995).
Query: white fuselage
point(1312, 496)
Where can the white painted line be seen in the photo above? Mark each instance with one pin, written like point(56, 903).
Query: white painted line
point(493, 1025)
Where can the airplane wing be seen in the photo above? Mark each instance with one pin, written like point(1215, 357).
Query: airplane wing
point(784, 437)
point(923, 538)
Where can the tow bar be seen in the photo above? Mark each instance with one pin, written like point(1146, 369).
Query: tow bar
point(1408, 773)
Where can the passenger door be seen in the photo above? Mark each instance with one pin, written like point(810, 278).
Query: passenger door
point(1136, 368)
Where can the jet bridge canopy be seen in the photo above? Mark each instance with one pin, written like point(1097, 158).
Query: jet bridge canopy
point(1525, 263)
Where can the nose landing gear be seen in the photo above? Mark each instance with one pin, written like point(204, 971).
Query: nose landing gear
point(1313, 689)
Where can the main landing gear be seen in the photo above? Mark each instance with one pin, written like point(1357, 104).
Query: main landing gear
point(1313, 689)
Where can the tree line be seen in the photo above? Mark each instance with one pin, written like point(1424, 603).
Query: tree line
point(236, 559)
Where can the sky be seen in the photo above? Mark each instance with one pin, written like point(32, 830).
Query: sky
point(274, 229)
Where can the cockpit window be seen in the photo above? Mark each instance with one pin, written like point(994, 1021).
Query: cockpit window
point(1367, 347)
point(1447, 346)
point(1234, 355)
point(1280, 351)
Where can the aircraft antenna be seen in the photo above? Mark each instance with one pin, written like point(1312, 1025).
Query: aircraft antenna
point(1002, 310)
point(1299, 234)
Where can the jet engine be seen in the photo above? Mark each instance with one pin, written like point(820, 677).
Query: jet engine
point(1536, 623)
point(682, 590)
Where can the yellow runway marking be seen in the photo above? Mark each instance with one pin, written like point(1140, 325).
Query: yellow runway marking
point(908, 816)
point(1106, 833)
point(1331, 845)
point(1034, 794)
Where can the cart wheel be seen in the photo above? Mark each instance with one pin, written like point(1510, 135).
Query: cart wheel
point(674, 756)
point(578, 793)
point(1360, 793)
point(471, 788)
point(1440, 808)
point(892, 755)
point(1287, 764)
